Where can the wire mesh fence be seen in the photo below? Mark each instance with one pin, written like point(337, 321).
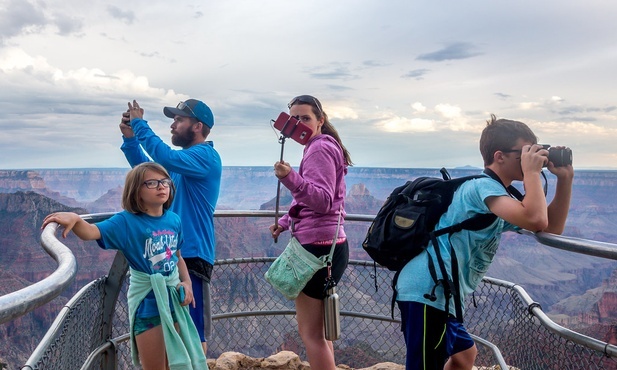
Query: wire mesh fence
point(241, 289)
point(499, 314)
point(252, 318)
point(77, 334)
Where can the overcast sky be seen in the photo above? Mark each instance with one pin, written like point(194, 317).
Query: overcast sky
point(406, 83)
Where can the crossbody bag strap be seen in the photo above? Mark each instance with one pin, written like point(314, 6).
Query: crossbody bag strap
point(329, 280)
point(338, 226)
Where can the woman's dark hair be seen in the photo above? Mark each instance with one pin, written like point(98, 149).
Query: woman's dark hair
point(327, 128)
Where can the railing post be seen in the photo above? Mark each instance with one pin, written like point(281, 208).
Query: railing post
point(113, 286)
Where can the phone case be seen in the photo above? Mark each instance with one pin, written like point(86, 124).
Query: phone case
point(291, 127)
point(182, 294)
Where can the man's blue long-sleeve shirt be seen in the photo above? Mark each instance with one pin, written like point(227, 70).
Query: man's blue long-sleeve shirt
point(196, 173)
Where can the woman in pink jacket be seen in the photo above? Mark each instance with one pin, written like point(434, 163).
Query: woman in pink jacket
point(318, 190)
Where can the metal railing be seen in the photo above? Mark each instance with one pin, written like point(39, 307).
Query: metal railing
point(18, 303)
point(509, 327)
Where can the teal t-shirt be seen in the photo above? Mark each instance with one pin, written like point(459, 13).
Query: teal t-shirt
point(475, 250)
point(148, 243)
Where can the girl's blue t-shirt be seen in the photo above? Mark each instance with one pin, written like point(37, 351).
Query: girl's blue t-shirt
point(474, 250)
point(148, 243)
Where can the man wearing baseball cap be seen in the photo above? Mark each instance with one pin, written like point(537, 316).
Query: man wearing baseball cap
point(196, 174)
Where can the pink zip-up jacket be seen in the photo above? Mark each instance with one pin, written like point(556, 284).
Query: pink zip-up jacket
point(318, 190)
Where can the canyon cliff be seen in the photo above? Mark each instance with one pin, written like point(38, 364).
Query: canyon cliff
point(578, 291)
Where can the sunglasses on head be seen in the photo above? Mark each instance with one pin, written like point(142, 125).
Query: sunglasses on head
point(183, 105)
point(306, 99)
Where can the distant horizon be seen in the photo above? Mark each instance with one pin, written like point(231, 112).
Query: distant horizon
point(295, 166)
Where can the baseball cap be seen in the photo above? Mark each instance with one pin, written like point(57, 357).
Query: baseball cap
point(191, 108)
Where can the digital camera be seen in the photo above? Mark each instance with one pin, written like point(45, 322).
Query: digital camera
point(559, 156)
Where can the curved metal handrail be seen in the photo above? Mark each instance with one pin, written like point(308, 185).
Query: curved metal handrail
point(21, 302)
point(577, 245)
point(535, 309)
point(493, 348)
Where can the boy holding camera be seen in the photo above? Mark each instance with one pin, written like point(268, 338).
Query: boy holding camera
point(435, 339)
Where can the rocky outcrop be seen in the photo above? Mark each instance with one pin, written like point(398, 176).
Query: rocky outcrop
point(16, 180)
point(83, 184)
point(108, 202)
point(596, 306)
point(286, 360)
point(360, 201)
point(283, 360)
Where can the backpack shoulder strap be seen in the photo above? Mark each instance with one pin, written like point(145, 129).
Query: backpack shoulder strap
point(478, 222)
point(512, 191)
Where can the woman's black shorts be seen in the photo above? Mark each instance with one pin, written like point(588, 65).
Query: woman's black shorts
point(315, 288)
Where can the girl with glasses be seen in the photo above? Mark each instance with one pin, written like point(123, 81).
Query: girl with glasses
point(318, 190)
point(150, 237)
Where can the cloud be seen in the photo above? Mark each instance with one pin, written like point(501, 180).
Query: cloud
point(86, 91)
point(67, 25)
point(457, 50)
point(570, 112)
point(502, 95)
point(448, 111)
point(443, 118)
point(342, 112)
point(127, 17)
point(374, 63)
point(418, 107)
point(573, 129)
point(529, 105)
point(398, 124)
point(339, 87)
point(418, 74)
point(333, 71)
point(18, 17)
point(609, 109)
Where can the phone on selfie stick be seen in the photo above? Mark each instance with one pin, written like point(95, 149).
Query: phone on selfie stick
point(290, 127)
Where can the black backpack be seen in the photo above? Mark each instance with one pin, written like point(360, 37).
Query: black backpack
point(404, 227)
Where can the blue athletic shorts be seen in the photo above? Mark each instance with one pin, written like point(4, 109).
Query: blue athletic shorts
point(202, 312)
point(431, 336)
point(143, 324)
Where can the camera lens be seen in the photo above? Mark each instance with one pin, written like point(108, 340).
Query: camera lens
point(560, 156)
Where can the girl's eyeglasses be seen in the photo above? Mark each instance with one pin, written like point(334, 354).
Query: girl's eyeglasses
point(154, 184)
point(307, 99)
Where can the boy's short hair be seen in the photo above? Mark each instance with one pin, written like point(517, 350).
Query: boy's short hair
point(502, 134)
point(131, 201)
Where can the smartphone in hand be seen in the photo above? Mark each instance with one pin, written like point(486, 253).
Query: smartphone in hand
point(291, 127)
point(182, 294)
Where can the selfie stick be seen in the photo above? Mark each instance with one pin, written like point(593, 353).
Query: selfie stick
point(287, 131)
point(278, 191)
